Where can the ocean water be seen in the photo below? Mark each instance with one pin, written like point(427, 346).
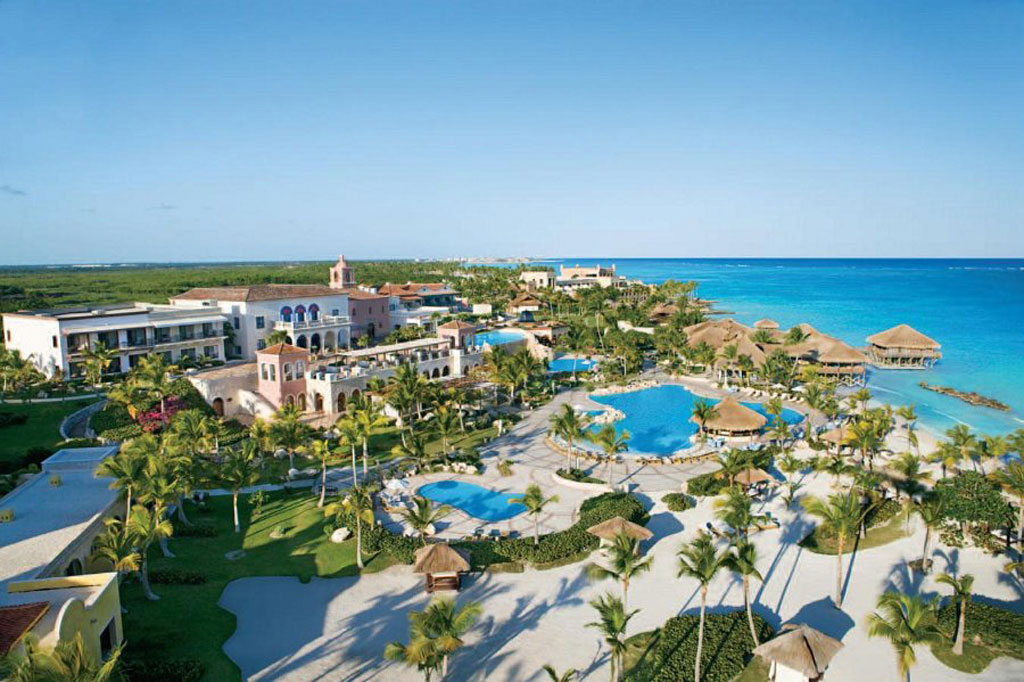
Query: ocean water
point(974, 308)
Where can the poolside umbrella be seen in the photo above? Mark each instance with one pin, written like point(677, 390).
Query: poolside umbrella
point(835, 436)
point(732, 417)
point(613, 527)
point(802, 649)
point(397, 485)
point(442, 565)
point(753, 476)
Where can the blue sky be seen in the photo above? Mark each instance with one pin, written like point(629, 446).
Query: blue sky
point(270, 130)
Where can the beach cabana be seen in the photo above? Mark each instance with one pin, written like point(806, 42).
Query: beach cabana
point(733, 419)
point(753, 476)
point(799, 653)
point(615, 526)
point(442, 566)
point(903, 347)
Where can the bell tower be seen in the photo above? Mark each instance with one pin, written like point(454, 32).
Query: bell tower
point(342, 276)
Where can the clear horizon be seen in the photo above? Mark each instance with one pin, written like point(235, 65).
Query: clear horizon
point(395, 130)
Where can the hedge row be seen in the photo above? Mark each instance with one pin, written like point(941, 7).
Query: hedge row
point(727, 647)
point(553, 547)
point(157, 670)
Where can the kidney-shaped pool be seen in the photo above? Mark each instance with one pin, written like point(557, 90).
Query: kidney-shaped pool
point(478, 502)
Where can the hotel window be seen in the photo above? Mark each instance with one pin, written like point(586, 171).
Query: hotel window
point(260, 322)
point(273, 373)
point(55, 344)
point(237, 323)
point(314, 312)
point(335, 312)
point(261, 344)
point(298, 369)
point(8, 336)
point(287, 371)
point(210, 351)
point(263, 371)
point(286, 314)
point(300, 313)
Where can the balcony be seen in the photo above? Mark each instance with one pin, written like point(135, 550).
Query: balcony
point(324, 322)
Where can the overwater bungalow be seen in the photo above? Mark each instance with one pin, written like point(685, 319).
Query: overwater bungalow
point(733, 419)
point(842, 362)
point(903, 347)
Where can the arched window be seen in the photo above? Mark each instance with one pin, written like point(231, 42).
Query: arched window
point(436, 373)
point(446, 371)
point(300, 313)
point(289, 401)
point(301, 402)
point(286, 314)
point(314, 312)
point(286, 371)
point(300, 367)
point(302, 342)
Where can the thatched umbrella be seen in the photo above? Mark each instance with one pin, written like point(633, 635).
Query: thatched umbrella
point(615, 526)
point(766, 324)
point(800, 648)
point(733, 418)
point(442, 565)
point(753, 476)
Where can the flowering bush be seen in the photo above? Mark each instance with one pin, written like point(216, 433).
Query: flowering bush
point(154, 420)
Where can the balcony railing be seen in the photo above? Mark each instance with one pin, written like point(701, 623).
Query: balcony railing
point(319, 323)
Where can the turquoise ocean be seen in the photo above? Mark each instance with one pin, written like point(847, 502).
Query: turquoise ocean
point(974, 308)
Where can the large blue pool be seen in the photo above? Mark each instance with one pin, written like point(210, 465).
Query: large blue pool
point(658, 419)
point(565, 363)
point(478, 502)
point(496, 337)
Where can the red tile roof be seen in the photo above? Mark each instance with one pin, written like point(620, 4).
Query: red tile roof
point(282, 349)
point(15, 621)
point(414, 288)
point(457, 324)
point(258, 292)
point(360, 295)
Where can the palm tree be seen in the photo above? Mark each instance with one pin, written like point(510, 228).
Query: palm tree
point(446, 624)
point(909, 415)
point(905, 620)
point(128, 466)
point(1012, 480)
point(961, 587)
point(69, 661)
point(368, 419)
point(150, 375)
point(737, 510)
point(568, 425)
point(289, 433)
point(742, 560)
point(699, 560)
point(611, 442)
point(908, 466)
point(97, 359)
point(421, 652)
point(625, 562)
point(863, 436)
point(239, 469)
point(569, 675)
point(359, 503)
point(147, 526)
point(445, 425)
point(351, 436)
point(534, 501)
point(414, 448)
point(843, 514)
point(963, 440)
point(930, 510)
point(947, 455)
point(117, 545)
point(732, 462)
point(259, 432)
point(422, 515)
point(992, 448)
point(703, 412)
point(613, 619)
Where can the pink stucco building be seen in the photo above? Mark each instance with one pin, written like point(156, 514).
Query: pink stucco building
point(368, 311)
point(281, 378)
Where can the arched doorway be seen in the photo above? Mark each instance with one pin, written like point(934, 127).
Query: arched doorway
point(314, 342)
point(301, 342)
point(330, 341)
point(218, 407)
point(341, 402)
point(74, 568)
point(319, 403)
point(289, 401)
point(446, 371)
point(371, 330)
point(436, 373)
point(301, 401)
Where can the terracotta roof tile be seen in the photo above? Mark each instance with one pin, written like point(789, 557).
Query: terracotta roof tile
point(258, 292)
point(15, 621)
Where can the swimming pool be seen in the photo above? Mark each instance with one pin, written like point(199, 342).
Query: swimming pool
point(496, 337)
point(658, 419)
point(565, 363)
point(478, 502)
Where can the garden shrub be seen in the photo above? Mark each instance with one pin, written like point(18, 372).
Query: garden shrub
point(577, 475)
point(706, 485)
point(677, 502)
point(998, 628)
point(176, 576)
point(727, 646)
point(112, 416)
point(78, 443)
point(883, 513)
point(190, 398)
point(12, 419)
point(120, 433)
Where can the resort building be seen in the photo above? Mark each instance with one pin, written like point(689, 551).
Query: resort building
point(370, 312)
point(903, 347)
point(573, 278)
point(525, 303)
point(429, 294)
point(48, 527)
point(56, 339)
point(537, 279)
point(313, 316)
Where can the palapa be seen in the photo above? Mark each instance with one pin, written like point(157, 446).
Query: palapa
point(615, 526)
point(903, 336)
point(732, 417)
point(439, 557)
point(801, 648)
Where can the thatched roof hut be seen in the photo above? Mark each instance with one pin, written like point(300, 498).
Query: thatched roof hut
point(615, 526)
point(733, 419)
point(801, 649)
point(766, 324)
point(753, 476)
point(903, 346)
point(835, 436)
point(442, 565)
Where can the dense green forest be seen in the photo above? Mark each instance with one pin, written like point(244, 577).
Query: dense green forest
point(50, 287)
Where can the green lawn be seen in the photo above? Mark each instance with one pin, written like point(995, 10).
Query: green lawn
point(41, 429)
point(186, 622)
point(756, 671)
point(973, 661)
point(890, 531)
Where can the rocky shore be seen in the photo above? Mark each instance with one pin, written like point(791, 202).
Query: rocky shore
point(969, 397)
